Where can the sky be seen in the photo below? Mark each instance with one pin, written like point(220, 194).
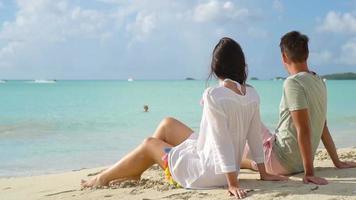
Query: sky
point(166, 39)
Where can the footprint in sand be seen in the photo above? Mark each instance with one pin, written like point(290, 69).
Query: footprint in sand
point(282, 194)
point(183, 195)
point(202, 195)
point(57, 193)
point(136, 191)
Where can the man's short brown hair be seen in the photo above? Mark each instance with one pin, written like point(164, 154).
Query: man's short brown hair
point(295, 46)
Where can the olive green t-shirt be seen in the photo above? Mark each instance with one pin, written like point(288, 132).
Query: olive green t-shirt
point(300, 91)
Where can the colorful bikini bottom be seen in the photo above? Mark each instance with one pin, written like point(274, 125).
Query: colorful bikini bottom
point(167, 173)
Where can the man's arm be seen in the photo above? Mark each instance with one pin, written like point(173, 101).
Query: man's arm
point(301, 122)
point(331, 149)
point(329, 145)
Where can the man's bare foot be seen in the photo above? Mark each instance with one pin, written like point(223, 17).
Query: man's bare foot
point(95, 182)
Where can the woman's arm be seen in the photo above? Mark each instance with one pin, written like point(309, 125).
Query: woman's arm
point(331, 149)
point(224, 150)
point(254, 137)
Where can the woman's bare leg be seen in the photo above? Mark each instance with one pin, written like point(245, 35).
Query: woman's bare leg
point(246, 162)
point(169, 133)
point(172, 131)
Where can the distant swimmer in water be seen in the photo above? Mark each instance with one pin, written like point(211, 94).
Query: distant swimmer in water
point(145, 108)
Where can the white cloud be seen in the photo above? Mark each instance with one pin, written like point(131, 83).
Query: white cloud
point(217, 11)
point(278, 5)
point(345, 56)
point(348, 53)
point(44, 21)
point(56, 21)
point(41, 27)
point(8, 52)
point(110, 1)
point(338, 23)
point(89, 23)
point(321, 57)
point(143, 25)
point(343, 26)
point(9, 49)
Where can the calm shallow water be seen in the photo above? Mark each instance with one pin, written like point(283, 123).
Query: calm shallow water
point(68, 125)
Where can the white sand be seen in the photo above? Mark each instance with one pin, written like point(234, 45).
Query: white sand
point(342, 185)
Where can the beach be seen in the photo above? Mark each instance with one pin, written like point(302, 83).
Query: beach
point(87, 84)
point(342, 185)
point(54, 135)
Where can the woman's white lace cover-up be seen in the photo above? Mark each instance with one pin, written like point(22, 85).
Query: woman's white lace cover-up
point(228, 121)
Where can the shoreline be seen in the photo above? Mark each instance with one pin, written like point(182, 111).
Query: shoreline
point(342, 184)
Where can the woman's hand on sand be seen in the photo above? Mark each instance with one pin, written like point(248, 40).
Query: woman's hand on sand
point(314, 179)
point(345, 164)
point(271, 177)
point(237, 192)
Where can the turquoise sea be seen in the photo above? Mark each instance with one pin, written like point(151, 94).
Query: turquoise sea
point(68, 125)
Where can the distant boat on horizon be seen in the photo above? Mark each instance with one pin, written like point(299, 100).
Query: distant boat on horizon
point(2, 81)
point(44, 81)
point(279, 78)
point(130, 79)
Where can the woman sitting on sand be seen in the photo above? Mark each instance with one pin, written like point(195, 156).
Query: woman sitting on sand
point(211, 158)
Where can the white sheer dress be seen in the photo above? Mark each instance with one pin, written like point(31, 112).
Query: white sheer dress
point(229, 120)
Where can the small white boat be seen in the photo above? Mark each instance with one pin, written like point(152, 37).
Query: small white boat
point(278, 79)
point(44, 81)
point(2, 81)
point(130, 79)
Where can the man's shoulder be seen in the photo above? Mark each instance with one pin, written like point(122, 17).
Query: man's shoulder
point(298, 77)
point(292, 82)
point(303, 79)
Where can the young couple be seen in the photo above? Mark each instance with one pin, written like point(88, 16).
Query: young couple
point(231, 134)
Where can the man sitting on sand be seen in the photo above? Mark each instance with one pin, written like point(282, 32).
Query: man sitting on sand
point(302, 116)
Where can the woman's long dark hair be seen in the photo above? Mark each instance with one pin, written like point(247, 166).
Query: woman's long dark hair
point(228, 61)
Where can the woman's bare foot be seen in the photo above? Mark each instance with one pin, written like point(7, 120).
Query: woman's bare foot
point(249, 164)
point(120, 180)
point(98, 181)
point(254, 166)
point(94, 182)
